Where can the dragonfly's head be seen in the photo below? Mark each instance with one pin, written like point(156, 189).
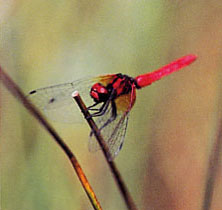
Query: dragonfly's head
point(99, 93)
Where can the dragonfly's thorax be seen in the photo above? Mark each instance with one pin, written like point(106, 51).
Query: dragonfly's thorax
point(120, 85)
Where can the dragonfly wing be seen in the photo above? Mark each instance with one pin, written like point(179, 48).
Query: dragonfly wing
point(114, 133)
point(117, 137)
point(57, 102)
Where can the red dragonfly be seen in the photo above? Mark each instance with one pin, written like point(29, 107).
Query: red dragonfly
point(109, 99)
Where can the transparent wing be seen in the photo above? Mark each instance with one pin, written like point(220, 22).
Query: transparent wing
point(114, 133)
point(57, 103)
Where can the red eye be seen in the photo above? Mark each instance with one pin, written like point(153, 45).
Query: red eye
point(102, 90)
point(94, 95)
point(98, 92)
point(99, 88)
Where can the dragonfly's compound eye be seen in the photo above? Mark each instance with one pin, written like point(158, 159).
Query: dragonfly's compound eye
point(98, 92)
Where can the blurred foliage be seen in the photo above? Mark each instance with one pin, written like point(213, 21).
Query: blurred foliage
point(172, 126)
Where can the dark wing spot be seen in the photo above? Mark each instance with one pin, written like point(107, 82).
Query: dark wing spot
point(51, 100)
point(32, 92)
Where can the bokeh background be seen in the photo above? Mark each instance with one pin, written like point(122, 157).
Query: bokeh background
point(172, 126)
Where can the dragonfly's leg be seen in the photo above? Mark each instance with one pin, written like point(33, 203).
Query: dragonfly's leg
point(113, 116)
point(99, 110)
point(90, 107)
point(102, 109)
point(96, 109)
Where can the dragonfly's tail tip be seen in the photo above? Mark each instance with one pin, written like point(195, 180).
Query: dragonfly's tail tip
point(191, 57)
point(188, 59)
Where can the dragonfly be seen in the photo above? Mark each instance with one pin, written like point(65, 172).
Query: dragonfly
point(109, 99)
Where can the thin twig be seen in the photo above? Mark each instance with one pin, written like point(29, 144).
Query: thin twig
point(214, 162)
point(17, 92)
point(123, 189)
point(212, 169)
point(215, 158)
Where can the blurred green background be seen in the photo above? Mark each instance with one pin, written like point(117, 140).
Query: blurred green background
point(172, 125)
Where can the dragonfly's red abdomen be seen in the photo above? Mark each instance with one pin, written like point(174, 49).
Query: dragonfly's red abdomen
point(147, 79)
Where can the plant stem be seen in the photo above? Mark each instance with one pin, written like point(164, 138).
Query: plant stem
point(212, 169)
point(17, 92)
point(117, 176)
